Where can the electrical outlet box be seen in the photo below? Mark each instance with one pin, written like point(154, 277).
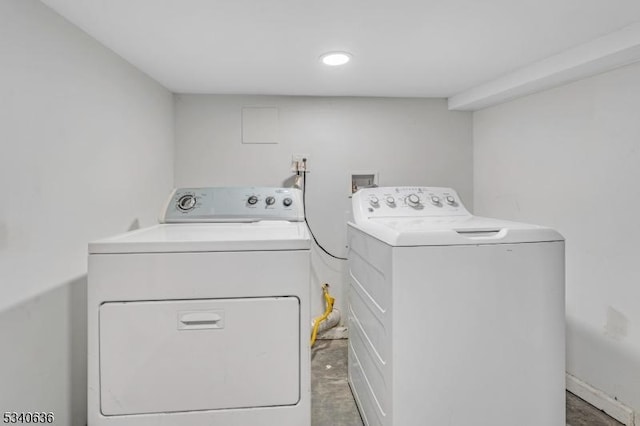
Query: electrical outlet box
point(362, 180)
point(297, 163)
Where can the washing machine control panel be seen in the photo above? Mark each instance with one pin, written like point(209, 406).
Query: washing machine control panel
point(407, 201)
point(250, 204)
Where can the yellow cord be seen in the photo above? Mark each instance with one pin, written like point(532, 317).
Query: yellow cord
point(329, 302)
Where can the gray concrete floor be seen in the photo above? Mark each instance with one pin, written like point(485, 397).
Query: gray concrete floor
point(581, 413)
point(332, 403)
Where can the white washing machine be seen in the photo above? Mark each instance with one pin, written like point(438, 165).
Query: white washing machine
point(453, 319)
point(203, 320)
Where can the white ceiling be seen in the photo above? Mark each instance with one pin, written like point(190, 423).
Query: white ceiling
point(414, 48)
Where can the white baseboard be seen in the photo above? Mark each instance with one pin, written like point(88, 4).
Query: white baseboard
point(602, 401)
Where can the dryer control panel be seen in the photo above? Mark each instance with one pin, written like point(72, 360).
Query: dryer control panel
point(406, 201)
point(250, 204)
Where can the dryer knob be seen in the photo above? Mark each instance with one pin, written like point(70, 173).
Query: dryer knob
point(413, 200)
point(187, 202)
point(270, 200)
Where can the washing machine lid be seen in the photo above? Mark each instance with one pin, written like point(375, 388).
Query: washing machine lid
point(208, 237)
point(453, 230)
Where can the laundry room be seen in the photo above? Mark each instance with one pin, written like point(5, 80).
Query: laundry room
point(201, 159)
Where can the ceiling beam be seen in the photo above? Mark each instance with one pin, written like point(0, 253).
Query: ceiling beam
point(602, 54)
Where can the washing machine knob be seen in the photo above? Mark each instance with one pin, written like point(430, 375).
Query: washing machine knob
point(435, 200)
point(187, 202)
point(287, 202)
point(450, 200)
point(270, 200)
point(374, 201)
point(390, 201)
point(413, 200)
point(252, 200)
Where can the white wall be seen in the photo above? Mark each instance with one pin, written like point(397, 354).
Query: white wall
point(408, 141)
point(86, 150)
point(570, 158)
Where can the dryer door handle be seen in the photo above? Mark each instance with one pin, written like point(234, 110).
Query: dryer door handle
point(200, 320)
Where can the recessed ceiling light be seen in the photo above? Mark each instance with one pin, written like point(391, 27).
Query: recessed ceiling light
point(335, 58)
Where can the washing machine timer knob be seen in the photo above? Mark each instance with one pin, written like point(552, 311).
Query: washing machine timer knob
point(186, 202)
point(270, 200)
point(252, 200)
point(413, 200)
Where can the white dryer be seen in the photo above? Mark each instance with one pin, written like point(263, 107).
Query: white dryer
point(453, 319)
point(203, 320)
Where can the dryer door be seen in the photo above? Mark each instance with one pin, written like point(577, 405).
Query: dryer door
point(172, 356)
